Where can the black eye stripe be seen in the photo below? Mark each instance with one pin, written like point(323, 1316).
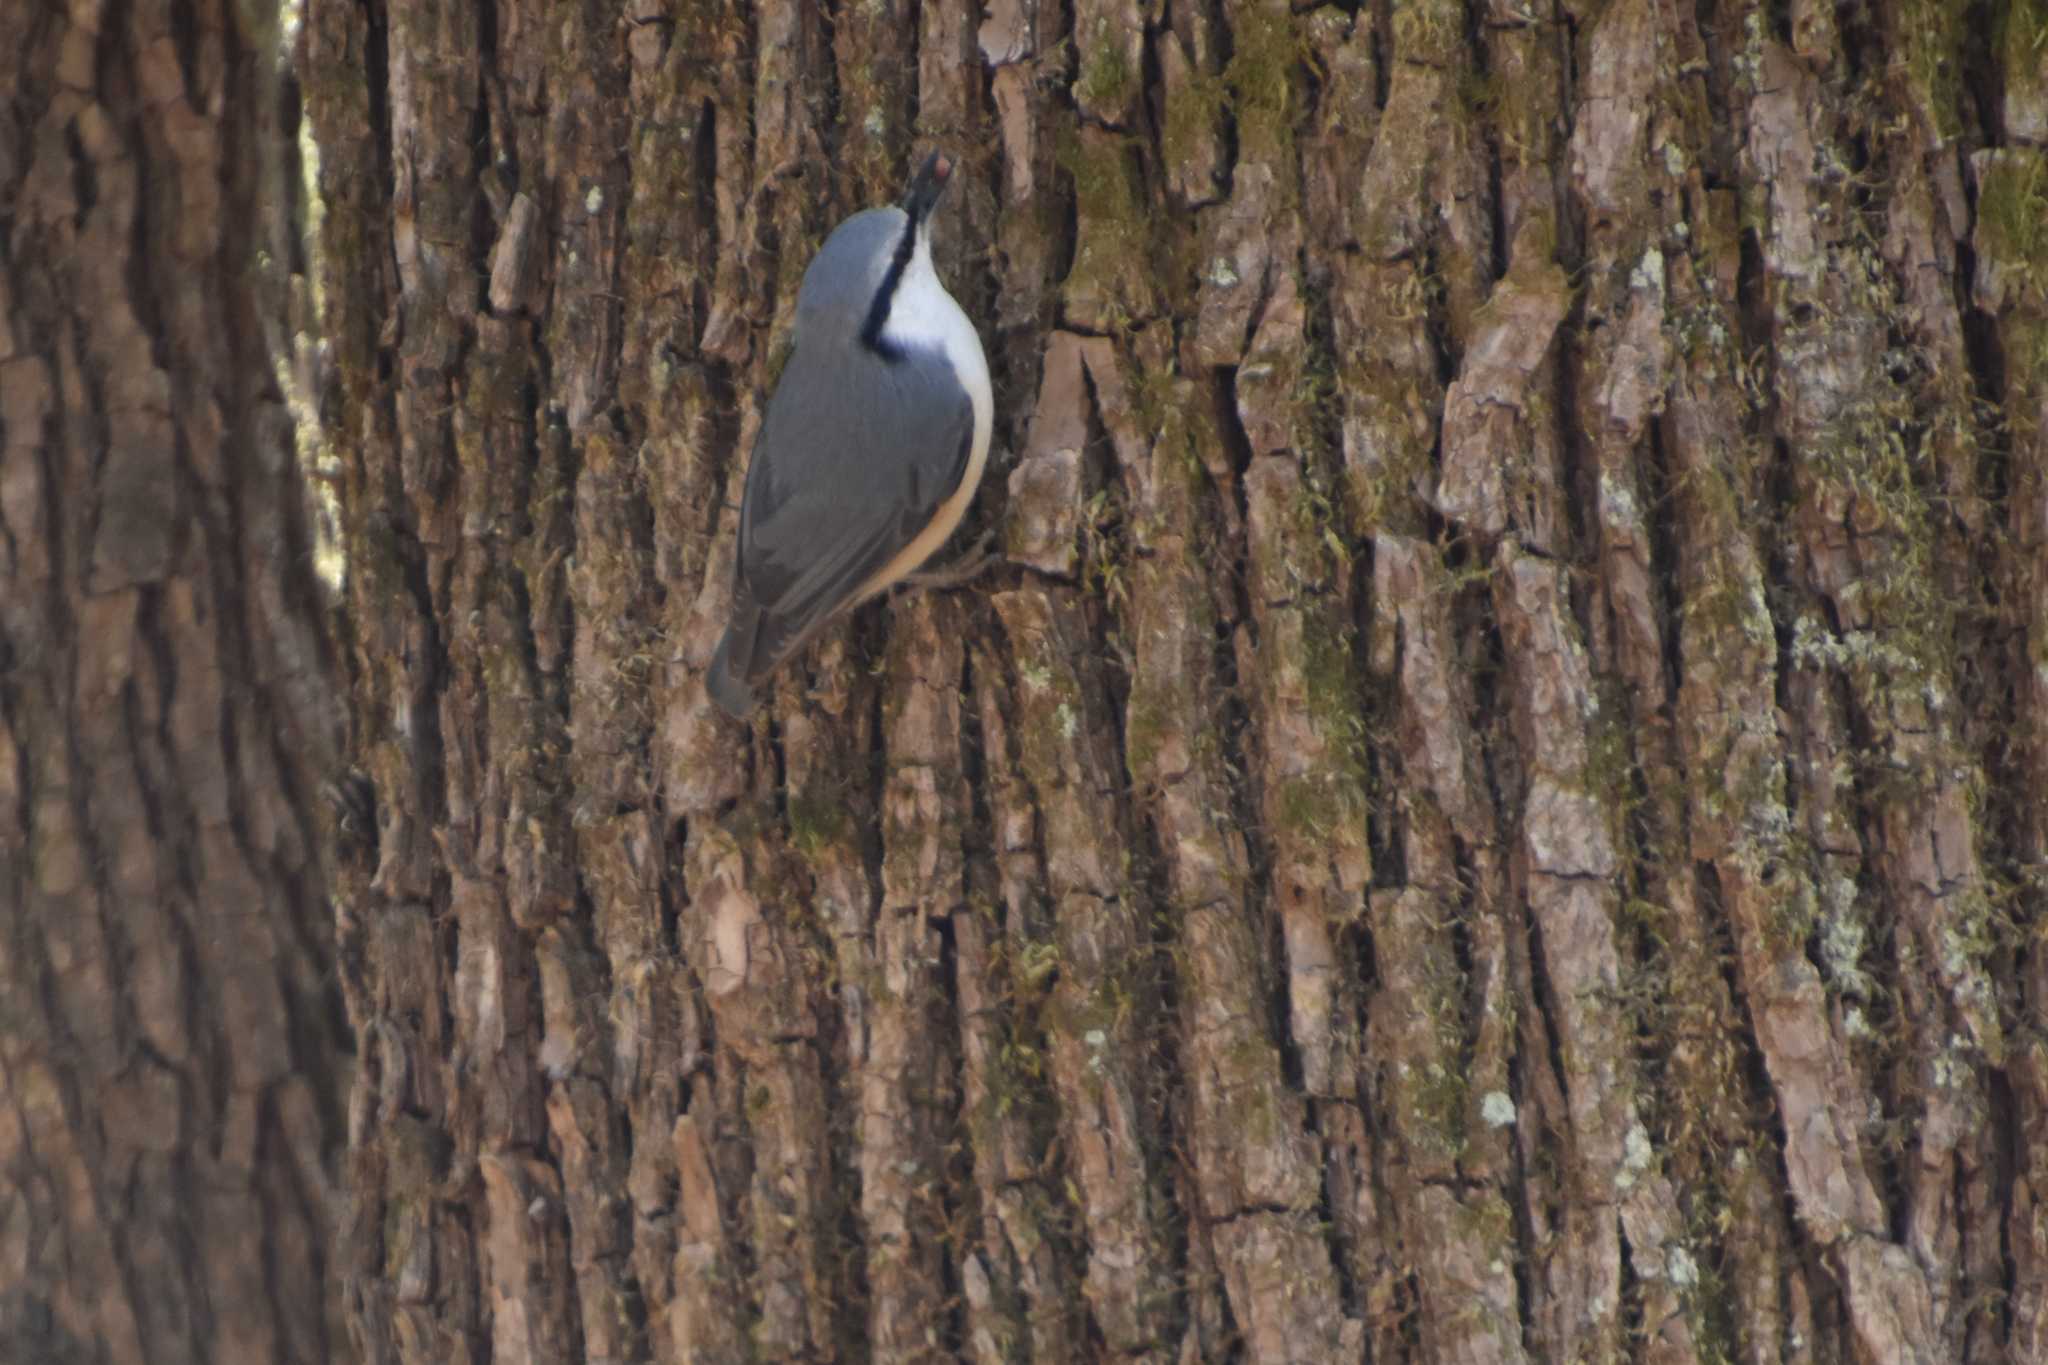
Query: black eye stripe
point(878, 311)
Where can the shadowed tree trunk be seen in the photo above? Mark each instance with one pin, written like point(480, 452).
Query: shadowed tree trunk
point(172, 1041)
point(1493, 811)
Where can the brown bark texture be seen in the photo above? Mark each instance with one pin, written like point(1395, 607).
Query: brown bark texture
point(1492, 811)
point(172, 1037)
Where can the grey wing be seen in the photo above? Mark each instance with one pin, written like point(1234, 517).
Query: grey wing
point(850, 467)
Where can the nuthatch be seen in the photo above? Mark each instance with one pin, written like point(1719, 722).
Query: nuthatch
point(872, 445)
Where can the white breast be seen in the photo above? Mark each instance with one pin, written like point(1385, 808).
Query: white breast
point(923, 315)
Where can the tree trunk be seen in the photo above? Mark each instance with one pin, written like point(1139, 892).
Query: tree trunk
point(172, 1042)
point(1491, 813)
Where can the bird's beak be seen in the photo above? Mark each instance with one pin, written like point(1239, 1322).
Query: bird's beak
point(926, 186)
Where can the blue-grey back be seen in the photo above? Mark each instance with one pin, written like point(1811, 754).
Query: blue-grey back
point(855, 455)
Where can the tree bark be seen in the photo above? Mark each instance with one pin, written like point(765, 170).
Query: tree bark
point(172, 1041)
point(1491, 813)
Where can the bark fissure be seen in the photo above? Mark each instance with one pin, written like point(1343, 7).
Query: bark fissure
point(165, 713)
point(1484, 816)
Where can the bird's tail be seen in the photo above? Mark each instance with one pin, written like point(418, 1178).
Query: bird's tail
point(726, 681)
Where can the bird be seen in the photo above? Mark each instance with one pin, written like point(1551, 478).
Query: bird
point(872, 444)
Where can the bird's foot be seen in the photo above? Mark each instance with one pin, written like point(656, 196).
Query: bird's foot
point(965, 569)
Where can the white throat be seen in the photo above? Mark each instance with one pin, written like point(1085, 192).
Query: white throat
point(924, 316)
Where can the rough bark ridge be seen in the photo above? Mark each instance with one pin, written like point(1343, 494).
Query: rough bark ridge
point(1490, 816)
point(172, 1043)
